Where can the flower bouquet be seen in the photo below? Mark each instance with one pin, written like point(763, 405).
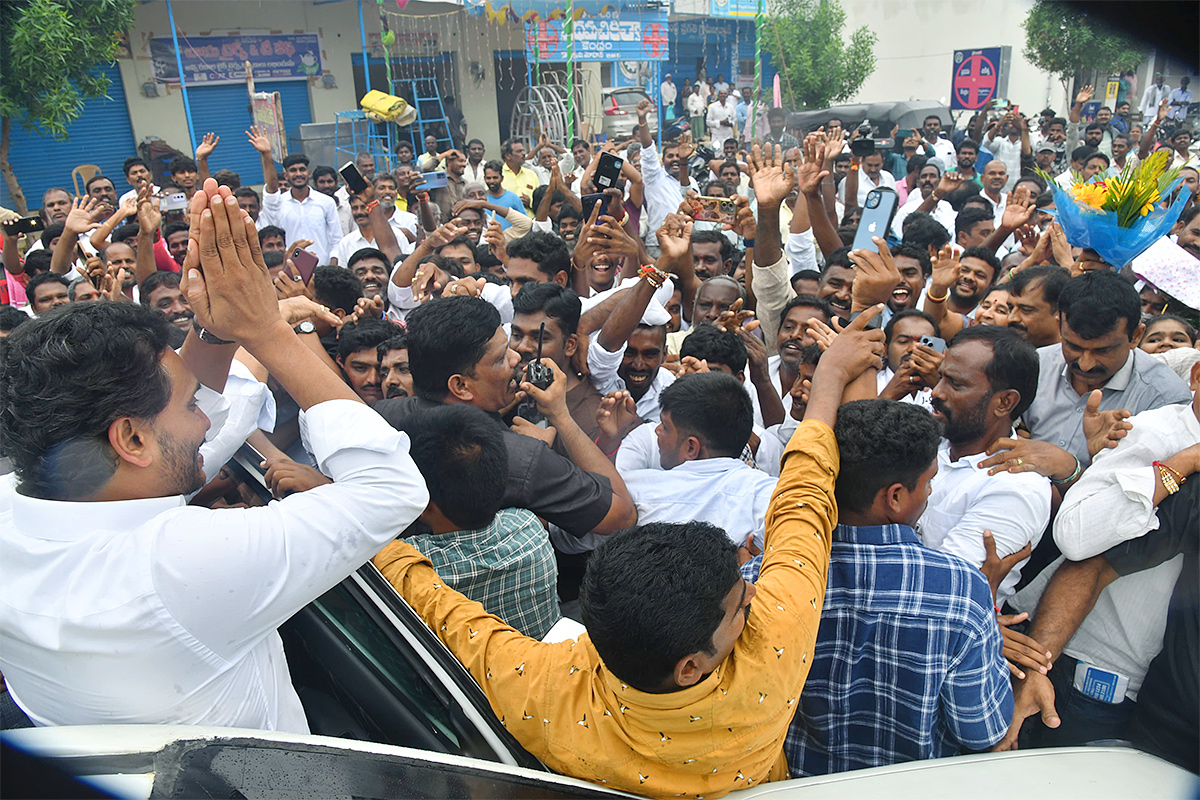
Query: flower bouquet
point(1120, 217)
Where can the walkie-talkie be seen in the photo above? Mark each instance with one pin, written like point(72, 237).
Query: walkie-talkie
point(540, 376)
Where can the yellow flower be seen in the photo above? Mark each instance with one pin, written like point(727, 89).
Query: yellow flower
point(1146, 209)
point(1091, 194)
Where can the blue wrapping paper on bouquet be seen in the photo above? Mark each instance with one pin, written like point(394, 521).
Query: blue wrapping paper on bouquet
point(1092, 228)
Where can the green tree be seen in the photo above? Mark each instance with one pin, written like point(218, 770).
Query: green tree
point(818, 63)
point(48, 54)
point(1064, 41)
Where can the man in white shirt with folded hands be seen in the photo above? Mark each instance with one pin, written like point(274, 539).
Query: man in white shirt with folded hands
point(119, 603)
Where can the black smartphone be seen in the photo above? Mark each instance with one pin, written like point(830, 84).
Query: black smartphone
point(934, 343)
point(540, 376)
point(24, 225)
point(608, 170)
point(862, 147)
point(878, 210)
point(354, 179)
point(588, 201)
point(904, 133)
point(305, 263)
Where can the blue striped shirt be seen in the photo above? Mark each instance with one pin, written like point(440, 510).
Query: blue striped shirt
point(908, 660)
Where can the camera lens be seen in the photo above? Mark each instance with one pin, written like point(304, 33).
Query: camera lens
point(873, 201)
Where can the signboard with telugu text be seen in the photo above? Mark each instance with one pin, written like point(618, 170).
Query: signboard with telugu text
point(631, 37)
point(222, 59)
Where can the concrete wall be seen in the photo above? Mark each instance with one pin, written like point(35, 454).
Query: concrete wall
point(471, 40)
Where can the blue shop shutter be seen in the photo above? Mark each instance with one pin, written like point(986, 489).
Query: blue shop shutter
point(225, 111)
point(101, 135)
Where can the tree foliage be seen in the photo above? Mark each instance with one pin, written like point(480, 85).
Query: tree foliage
point(1063, 40)
point(50, 50)
point(819, 64)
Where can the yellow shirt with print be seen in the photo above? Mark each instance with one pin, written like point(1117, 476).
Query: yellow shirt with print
point(724, 733)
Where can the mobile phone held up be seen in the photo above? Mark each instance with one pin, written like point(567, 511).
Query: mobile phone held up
point(878, 210)
point(24, 225)
point(540, 376)
point(607, 171)
point(434, 180)
point(934, 343)
point(589, 201)
point(355, 182)
point(173, 202)
point(712, 209)
point(305, 263)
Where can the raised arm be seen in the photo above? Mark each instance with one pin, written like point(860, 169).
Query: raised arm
point(79, 221)
point(946, 268)
point(260, 142)
point(149, 218)
point(203, 151)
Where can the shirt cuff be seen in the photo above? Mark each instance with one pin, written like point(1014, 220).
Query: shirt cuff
point(335, 426)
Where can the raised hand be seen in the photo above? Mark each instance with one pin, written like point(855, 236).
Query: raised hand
point(811, 171)
point(1060, 248)
point(616, 416)
point(494, 237)
point(1085, 94)
point(114, 282)
point(1104, 429)
point(1019, 209)
point(875, 277)
point(734, 319)
point(946, 267)
point(206, 146)
point(259, 140)
point(610, 238)
point(675, 236)
point(745, 224)
point(770, 176)
point(1163, 108)
point(854, 350)
point(448, 232)
point(949, 182)
point(79, 218)
point(463, 205)
point(821, 333)
point(690, 365)
point(463, 287)
point(295, 310)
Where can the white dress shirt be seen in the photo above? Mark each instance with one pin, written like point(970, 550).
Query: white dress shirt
point(150, 611)
point(772, 443)
point(1007, 152)
point(965, 501)
point(865, 185)
point(720, 120)
point(472, 174)
point(662, 192)
point(726, 492)
point(773, 365)
point(604, 365)
point(1152, 98)
point(401, 300)
point(315, 218)
point(943, 212)
point(922, 397)
point(342, 198)
point(943, 151)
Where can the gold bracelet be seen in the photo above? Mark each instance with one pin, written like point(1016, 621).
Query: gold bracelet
point(929, 296)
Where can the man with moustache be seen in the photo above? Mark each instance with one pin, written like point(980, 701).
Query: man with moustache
point(160, 291)
point(301, 211)
point(989, 378)
point(370, 266)
point(395, 377)
point(785, 368)
point(933, 186)
point(910, 369)
point(358, 356)
point(1034, 293)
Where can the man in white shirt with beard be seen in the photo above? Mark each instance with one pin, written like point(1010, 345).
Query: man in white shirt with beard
point(172, 611)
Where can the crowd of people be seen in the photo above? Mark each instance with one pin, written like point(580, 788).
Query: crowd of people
point(819, 508)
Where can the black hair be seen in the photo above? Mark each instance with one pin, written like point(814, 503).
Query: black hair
point(324, 169)
point(548, 251)
point(655, 594)
point(557, 302)
point(485, 258)
point(227, 177)
point(908, 313)
point(507, 148)
point(920, 254)
point(367, 333)
point(1057, 121)
point(475, 141)
point(174, 227)
point(494, 164)
point(985, 255)
point(295, 158)
point(64, 379)
point(246, 191)
point(38, 261)
point(807, 301)
point(1053, 280)
point(41, 278)
point(366, 252)
point(267, 231)
point(183, 164)
point(336, 288)
point(125, 232)
point(1082, 152)
point(1033, 178)
point(1014, 363)
point(924, 231)
point(51, 233)
point(11, 317)
point(569, 211)
point(882, 442)
point(714, 407)
point(87, 187)
point(156, 280)
point(1188, 215)
point(1094, 126)
point(1099, 154)
point(916, 164)
point(451, 266)
point(971, 143)
point(710, 343)
point(714, 237)
point(804, 274)
point(448, 336)
point(970, 217)
point(130, 163)
point(838, 258)
point(1093, 303)
point(460, 452)
point(397, 341)
point(1187, 326)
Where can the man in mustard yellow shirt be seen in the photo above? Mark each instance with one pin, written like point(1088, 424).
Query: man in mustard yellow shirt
point(518, 178)
point(682, 684)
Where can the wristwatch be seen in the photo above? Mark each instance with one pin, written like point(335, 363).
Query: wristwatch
point(305, 327)
point(206, 336)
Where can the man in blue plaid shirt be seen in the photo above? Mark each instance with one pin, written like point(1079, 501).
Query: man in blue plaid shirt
point(908, 660)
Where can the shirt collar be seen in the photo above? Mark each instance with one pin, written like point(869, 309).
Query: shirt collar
point(875, 534)
point(964, 461)
point(711, 466)
point(65, 520)
point(1119, 382)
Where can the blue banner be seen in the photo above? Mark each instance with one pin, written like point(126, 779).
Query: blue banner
point(222, 59)
point(733, 8)
point(630, 37)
